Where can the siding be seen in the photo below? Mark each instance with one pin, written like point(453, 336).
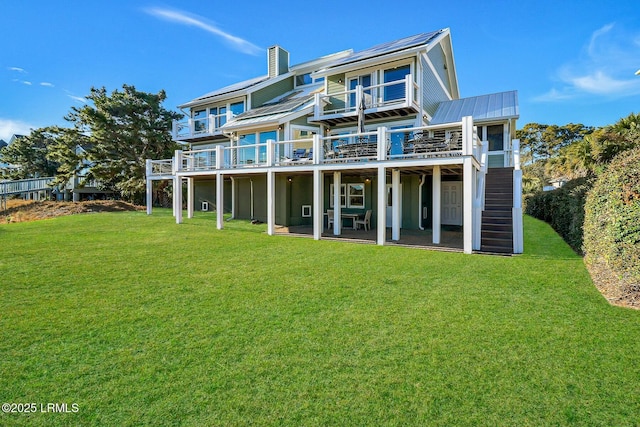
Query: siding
point(333, 86)
point(432, 92)
point(261, 96)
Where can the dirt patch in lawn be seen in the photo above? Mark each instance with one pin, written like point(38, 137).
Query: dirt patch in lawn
point(22, 211)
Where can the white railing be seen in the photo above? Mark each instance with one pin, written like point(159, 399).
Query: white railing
point(25, 186)
point(402, 92)
point(202, 126)
point(448, 140)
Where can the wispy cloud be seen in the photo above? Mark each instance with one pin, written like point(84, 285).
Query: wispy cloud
point(192, 20)
point(10, 127)
point(605, 68)
point(25, 82)
point(78, 99)
point(17, 69)
point(47, 84)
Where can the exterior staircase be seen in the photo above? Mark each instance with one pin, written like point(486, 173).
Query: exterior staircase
point(497, 221)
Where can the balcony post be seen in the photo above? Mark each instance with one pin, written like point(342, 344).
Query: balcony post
point(337, 209)
point(467, 136)
point(318, 152)
point(219, 201)
point(359, 95)
point(382, 206)
point(396, 196)
point(219, 156)
point(192, 130)
point(270, 152)
point(382, 143)
point(212, 123)
point(317, 106)
point(177, 163)
point(271, 203)
point(318, 208)
point(190, 198)
point(436, 205)
point(174, 129)
point(408, 85)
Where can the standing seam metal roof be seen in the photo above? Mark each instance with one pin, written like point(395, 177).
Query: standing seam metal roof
point(502, 105)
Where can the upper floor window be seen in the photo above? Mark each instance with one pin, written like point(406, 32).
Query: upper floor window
point(237, 108)
point(396, 91)
point(494, 135)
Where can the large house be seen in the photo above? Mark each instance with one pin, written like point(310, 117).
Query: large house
point(378, 138)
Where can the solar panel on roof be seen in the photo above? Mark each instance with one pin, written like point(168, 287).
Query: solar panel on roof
point(389, 47)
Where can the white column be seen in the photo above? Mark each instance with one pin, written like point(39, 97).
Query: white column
point(337, 210)
point(219, 201)
point(467, 205)
point(467, 135)
point(149, 171)
point(382, 206)
point(190, 198)
point(318, 199)
point(271, 203)
point(436, 205)
point(149, 196)
point(177, 198)
point(395, 194)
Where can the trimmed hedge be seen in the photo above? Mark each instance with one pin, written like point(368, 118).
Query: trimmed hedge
point(612, 218)
point(563, 209)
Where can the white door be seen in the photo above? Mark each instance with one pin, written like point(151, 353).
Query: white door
point(451, 213)
point(390, 206)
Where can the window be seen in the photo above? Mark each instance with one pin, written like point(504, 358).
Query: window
point(200, 121)
point(247, 155)
point(343, 197)
point(396, 91)
point(219, 115)
point(365, 82)
point(237, 108)
point(356, 196)
point(351, 196)
point(262, 149)
point(495, 137)
point(303, 79)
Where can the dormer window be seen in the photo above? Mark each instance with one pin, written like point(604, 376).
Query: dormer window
point(306, 79)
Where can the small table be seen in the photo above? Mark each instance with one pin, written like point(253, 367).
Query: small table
point(352, 216)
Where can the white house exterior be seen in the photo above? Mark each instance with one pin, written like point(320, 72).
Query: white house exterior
point(381, 134)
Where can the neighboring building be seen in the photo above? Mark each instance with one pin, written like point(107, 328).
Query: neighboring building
point(81, 187)
point(381, 133)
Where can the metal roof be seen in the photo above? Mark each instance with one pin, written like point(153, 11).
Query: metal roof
point(389, 47)
point(227, 89)
point(496, 106)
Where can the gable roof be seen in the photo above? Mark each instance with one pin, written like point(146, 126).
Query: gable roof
point(484, 108)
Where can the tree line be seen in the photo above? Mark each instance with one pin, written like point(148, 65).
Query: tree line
point(108, 140)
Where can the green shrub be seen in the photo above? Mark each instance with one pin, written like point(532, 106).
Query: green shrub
point(563, 209)
point(612, 218)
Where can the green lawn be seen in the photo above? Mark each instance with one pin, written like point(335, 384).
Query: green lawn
point(140, 321)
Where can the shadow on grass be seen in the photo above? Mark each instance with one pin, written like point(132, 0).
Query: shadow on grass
point(541, 241)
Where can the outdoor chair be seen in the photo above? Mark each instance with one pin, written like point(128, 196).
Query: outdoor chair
point(329, 218)
point(365, 222)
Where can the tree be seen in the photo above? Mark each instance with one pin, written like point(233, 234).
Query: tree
point(542, 142)
point(29, 153)
point(124, 128)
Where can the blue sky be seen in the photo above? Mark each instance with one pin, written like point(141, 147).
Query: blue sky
point(571, 61)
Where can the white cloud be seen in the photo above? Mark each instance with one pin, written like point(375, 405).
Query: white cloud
point(237, 43)
point(604, 69)
point(78, 98)
point(47, 84)
point(17, 69)
point(26, 83)
point(10, 127)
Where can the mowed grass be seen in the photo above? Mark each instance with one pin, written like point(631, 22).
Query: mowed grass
point(140, 321)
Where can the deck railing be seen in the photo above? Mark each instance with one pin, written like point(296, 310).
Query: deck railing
point(25, 185)
point(201, 126)
point(450, 140)
point(382, 96)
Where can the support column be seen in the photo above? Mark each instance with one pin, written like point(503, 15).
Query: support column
point(318, 198)
point(467, 205)
point(436, 205)
point(177, 198)
point(395, 211)
point(271, 203)
point(382, 206)
point(337, 210)
point(149, 196)
point(219, 201)
point(190, 198)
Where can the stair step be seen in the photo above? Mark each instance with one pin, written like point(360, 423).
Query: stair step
point(490, 226)
point(496, 249)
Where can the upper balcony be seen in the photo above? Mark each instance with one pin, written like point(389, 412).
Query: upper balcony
point(399, 97)
point(194, 129)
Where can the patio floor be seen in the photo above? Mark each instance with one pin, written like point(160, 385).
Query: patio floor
point(451, 237)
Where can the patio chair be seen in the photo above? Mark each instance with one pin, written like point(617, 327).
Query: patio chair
point(299, 153)
point(365, 222)
point(329, 218)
